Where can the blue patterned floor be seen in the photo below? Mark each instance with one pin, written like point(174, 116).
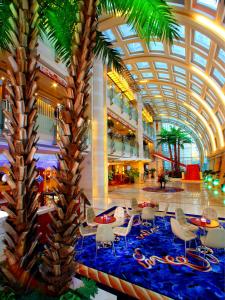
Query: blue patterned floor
point(148, 262)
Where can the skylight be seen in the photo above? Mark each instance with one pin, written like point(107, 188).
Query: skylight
point(120, 50)
point(212, 4)
point(180, 80)
point(134, 76)
point(152, 86)
point(129, 67)
point(221, 55)
point(163, 76)
point(135, 47)
point(218, 76)
point(202, 40)
point(109, 35)
point(199, 60)
point(155, 92)
point(179, 70)
point(178, 50)
point(197, 79)
point(168, 93)
point(127, 31)
point(160, 65)
point(168, 87)
point(209, 101)
point(143, 65)
point(156, 46)
point(195, 88)
point(181, 31)
point(147, 74)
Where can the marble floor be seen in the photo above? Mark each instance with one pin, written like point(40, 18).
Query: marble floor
point(193, 199)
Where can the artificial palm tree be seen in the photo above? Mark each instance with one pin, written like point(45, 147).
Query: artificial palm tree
point(20, 24)
point(73, 32)
point(19, 34)
point(164, 138)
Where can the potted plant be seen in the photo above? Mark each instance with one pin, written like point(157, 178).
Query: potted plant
point(133, 174)
point(152, 171)
point(110, 123)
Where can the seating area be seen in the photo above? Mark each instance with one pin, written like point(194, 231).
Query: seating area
point(157, 247)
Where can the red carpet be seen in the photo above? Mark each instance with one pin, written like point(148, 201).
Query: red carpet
point(168, 189)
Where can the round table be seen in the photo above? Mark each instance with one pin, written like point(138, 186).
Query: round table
point(104, 219)
point(208, 224)
point(147, 204)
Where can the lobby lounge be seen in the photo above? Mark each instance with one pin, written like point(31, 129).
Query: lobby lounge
point(112, 149)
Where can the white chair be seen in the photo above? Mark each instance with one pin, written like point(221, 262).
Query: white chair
point(182, 234)
point(132, 212)
point(210, 213)
point(105, 235)
point(215, 238)
point(162, 214)
point(86, 231)
point(90, 215)
point(120, 217)
point(148, 214)
point(124, 231)
point(180, 217)
point(134, 205)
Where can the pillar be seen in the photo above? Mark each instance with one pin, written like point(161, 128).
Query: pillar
point(99, 148)
point(140, 127)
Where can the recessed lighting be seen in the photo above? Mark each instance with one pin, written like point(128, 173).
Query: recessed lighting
point(158, 96)
point(143, 81)
point(2, 78)
point(54, 84)
point(35, 94)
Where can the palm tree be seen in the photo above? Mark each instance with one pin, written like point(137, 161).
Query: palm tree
point(19, 34)
point(182, 139)
point(73, 32)
point(20, 23)
point(164, 138)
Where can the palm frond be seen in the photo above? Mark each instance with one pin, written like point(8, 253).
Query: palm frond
point(6, 25)
point(151, 18)
point(109, 56)
point(57, 24)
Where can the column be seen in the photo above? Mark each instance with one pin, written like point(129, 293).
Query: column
point(140, 127)
point(99, 148)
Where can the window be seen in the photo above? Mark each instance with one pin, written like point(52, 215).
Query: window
point(129, 67)
point(220, 117)
point(202, 40)
point(160, 65)
point(120, 50)
point(168, 93)
point(134, 76)
point(156, 46)
point(221, 55)
point(181, 96)
point(155, 92)
point(212, 4)
point(197, 79)
point(152, 86)
point(135, 47)
point(194, 104)
point(209, 101)
point(127, 31)
point(163, 76)
point(143, 92)
point(143, 65)
point(180, 80)
point(179, 70)
point(109, 35)
point(195, 88)
point(168, 87)
point(181, 31)
point(218, 76)
point(147, 74)
point(199, 60)
point(178, 50)
point(204, 114)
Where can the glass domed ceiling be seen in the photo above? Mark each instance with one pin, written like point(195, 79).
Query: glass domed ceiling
point(184, 81)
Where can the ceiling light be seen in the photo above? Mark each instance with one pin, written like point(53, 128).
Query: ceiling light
point(2, 78)
point(54, 84)
point(158, 96)
point(143, 81)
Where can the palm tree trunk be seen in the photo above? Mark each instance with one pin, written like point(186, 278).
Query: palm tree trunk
point(175, 156)
point(178, 155)
point(59, 265)
point(171, 155)
point(21, 137)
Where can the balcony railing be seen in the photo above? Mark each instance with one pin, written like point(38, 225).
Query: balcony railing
point(125, 149)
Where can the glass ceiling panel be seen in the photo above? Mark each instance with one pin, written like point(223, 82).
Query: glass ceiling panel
point(129, 67)
point(155, 92)
point(209, 101)
point(135, 47)
point(168, 87)
point(143, 65)
point(179, 70)
point(195, 88)
point(197, 79)
point(181, 31)
point(163, 76)
point(127, 31)
point(178, 50)
point(152, 86)
point(221, 55)
point(212, 4)
point(202, 40)
point(160, 65)
point(156, 46)
point(199, 60)
point(218, 76)
point(147, 75)
point(109, 35)
point(120, 50)
point(180, 80)
point(168, 93)
point(134, 76)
